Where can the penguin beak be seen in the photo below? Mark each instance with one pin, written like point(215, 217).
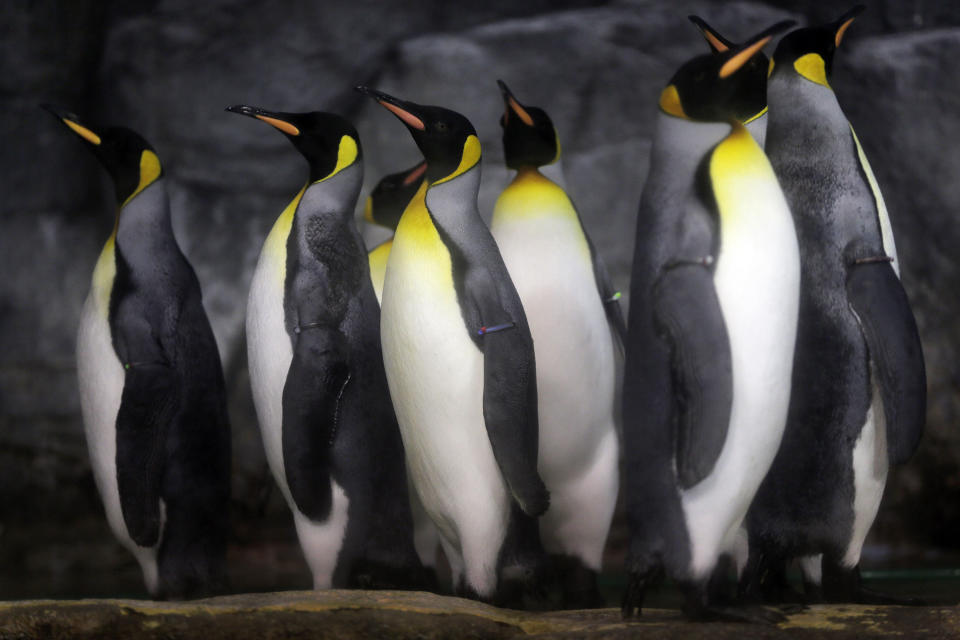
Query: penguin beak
point(406, 111)
point(73, 122)
point(415, 174)
point(270, 117)
point(844, 21)
point(751, 47)
point(717, 43)
point(513, 105)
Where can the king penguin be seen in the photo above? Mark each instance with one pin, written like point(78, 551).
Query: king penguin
point(152, 392)
point(316, 369)
point(460, 362)
point(844, 429)
point(714, 296)
point(752, 110)
point(384, 206)
point(569, 302)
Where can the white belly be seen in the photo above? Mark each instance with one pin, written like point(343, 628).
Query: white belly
point(870, 466)
point(101, 379)
point(549, 263)
point(757, 283)
point(435, 373)
point(269, 354)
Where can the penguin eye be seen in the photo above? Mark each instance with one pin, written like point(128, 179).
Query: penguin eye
point(441, 126)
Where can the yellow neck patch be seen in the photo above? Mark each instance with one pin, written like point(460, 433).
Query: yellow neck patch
point(378, 266)
point(770, 68)
point(670, 102)
point(104, 274)
point(368, 211)
point(346, 155)
point(735, 160)
point(755, 116)
point(813, 68)
point(149, 171)
point(468, 158)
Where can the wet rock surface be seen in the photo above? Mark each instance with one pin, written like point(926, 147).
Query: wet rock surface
point(358, 614)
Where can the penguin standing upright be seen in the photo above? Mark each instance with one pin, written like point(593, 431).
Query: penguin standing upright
point(316, 368)
point(844, 428)
point(460, 363)
point(568, 298)
point(752, 110)
point(384, 206)
point(714, 297)
point(151, 385)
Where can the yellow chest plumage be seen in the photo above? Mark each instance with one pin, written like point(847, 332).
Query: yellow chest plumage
point(417, 246)
point(275, 246)
point(534, 198)
point(378, 257)
point(103, 275)
point(742, 179)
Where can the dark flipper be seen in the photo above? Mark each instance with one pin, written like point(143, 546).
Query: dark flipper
point(608, 294)
point(688, 312)
point(315, 384)
point(150, 400)
point(510, 399)
point(877, 297)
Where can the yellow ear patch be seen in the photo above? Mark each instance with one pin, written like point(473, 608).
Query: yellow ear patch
point(670, 102)
point(770, 68)
point(149, 171)
point(346, 156)
point(83, 132)
point(368, 211)
point(468, 158)
point(283, 125)
point(813, 68)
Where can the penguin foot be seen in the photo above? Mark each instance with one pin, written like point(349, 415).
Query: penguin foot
point(637, 584)
point(578, 584)
point(863, 595)
point(841, 584)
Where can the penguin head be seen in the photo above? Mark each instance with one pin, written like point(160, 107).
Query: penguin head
point(721, 86)
point(757, 67)
point(128, 158)
point(445, 138)
point(329, 142)
point(390, 197)
point(809, 51)
point(529, 137)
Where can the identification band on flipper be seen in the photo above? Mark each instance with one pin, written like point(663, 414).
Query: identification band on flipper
point(130, 365)
point(873, 259)
point(310, 325)
point(616, 296)
point(705, 261)
point(482, 331)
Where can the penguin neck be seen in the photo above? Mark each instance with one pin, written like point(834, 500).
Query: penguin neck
point(453, 203)
point(679, 145)
point(794, 100)
point(326, 210)
point(143, 228)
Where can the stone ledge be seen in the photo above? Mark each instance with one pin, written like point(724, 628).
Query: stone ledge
point(396, 614)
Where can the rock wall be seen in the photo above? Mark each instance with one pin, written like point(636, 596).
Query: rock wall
point(168, 69)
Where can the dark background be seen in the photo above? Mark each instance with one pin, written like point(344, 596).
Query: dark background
point(168, 69)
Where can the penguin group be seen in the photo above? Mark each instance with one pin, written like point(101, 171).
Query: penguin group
point(454, 388)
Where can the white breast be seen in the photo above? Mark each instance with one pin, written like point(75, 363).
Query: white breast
point(757, 283)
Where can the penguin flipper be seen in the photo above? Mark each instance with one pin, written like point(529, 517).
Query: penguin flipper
point(312, 394)
point(880, 303)
point(147, 405)
point(688, 313)
point(510, 401)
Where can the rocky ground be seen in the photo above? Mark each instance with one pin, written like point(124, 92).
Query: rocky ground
point(168, 69)
point(395, 614)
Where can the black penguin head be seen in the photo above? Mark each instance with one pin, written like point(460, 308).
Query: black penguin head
point(127, 157)
point(754, 101)
point(529, 137)
point(809, 51)
point(445, 138)
point(391, 196)
point(721, 86)
point(329, 142)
